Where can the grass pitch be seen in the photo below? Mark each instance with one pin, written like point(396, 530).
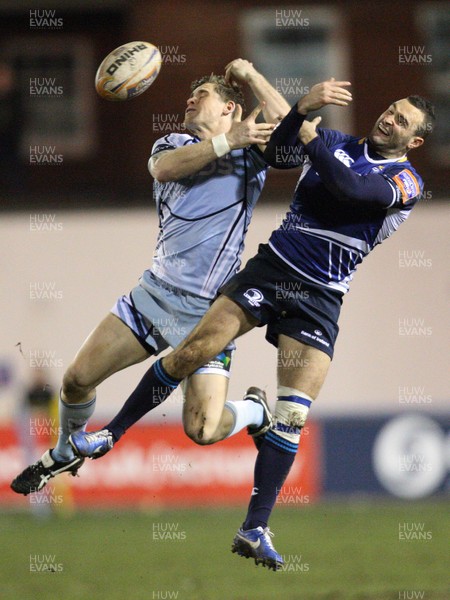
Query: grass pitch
point(333, 551)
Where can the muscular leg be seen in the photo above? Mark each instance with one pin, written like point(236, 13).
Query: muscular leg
point(207, 418)
point(299, 382)
point(223, 322)
point(204, 418)
point(108, 349)
point(308, 369)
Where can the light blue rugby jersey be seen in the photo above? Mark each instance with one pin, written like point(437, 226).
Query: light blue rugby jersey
point(203, 218)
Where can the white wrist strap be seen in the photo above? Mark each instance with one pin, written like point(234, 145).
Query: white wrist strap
point(220, 145)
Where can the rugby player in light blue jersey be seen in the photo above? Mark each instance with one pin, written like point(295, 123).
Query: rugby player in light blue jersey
point(352, 194)
point(207, 182)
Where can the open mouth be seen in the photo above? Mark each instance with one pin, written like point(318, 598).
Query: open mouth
point(383, 130)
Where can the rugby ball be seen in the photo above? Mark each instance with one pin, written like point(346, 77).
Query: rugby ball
point(128, 71)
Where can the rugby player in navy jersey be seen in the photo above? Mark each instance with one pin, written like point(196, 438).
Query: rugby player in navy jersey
point(352, 194)
point(207, 182)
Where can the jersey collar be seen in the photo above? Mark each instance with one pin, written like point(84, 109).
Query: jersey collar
point(380, 161)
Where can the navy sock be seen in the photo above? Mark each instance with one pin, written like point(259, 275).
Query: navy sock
point(271, 469)
point(155, 387)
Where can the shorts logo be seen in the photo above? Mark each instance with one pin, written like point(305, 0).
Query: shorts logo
point(316, 337)
point(254, 297)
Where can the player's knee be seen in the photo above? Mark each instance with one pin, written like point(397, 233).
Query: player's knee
point(199, 433)
point(75, 382)
point(199, 438)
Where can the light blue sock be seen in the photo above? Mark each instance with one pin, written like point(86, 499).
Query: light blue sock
point(245, 413)
point(72, 417)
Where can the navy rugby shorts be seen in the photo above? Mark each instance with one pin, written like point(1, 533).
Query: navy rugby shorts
point(277, 296)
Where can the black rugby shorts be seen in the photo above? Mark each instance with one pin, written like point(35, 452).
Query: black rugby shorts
point(277, 296)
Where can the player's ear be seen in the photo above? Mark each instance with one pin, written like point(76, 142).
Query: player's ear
point(229, 107)
point(415, 142)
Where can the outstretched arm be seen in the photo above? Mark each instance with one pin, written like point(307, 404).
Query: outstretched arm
point(242, 71)
point(284, 148)
point(172, 165)
point(371, 190)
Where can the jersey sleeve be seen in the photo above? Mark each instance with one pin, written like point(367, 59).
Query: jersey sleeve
point(257, 157)
point(170, 142)
point(375, 189)
point(284, 150)
point(406, 184)
point(330, 137)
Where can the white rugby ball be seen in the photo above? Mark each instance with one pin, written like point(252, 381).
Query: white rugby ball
point(128, 71)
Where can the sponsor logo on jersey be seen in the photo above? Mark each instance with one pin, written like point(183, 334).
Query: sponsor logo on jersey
point(254, 297)
point(343, 157)
point(408, 185)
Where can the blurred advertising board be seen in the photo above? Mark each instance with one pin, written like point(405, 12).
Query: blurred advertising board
point(405, 455)
point(159, 465)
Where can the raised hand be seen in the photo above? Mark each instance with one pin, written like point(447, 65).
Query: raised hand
point(239, 70)
point(247, 132)
point(322, 94)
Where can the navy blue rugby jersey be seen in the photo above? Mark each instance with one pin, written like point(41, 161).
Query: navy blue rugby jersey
point(336, 218)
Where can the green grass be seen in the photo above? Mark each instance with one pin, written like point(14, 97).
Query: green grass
point(335, 551)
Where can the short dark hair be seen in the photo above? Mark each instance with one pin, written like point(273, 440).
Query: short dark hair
point(226, 90)
point(429, 117)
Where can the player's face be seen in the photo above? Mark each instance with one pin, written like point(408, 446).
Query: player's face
point(394, 132)
point(205, 108)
